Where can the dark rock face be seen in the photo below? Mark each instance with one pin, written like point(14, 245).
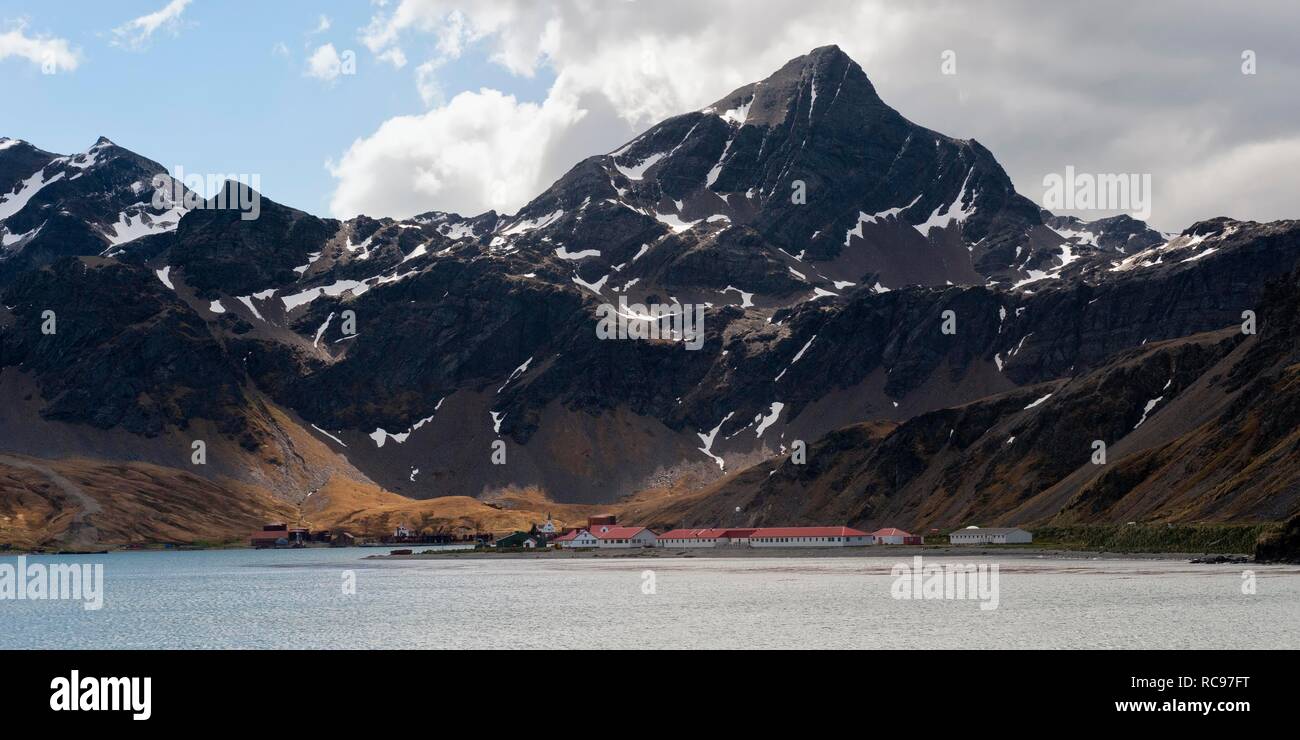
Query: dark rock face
point(947, 350)
point(124, 351)
point(454, 326)
point(1283, 547)
point(220, 249)
point(1200, 428)
point(735, 256)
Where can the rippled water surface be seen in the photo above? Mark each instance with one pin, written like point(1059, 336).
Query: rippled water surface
point(295, 599)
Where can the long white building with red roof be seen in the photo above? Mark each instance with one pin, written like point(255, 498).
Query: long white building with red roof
point(614, 536)
point(704, 537)
point(767, 537)
point(810, 537)
point(603, 533)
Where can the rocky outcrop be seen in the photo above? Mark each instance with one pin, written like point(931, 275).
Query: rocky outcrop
point(120, 350)
point(222, 250)
point(1282, 546)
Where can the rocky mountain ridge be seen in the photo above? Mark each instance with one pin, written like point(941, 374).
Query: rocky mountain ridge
point(868, 286)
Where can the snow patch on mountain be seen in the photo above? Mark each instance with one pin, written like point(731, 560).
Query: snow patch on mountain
point(14, 202)
point(380, 436)
point(532, 224)
point(130, 227)
point(712, 177)
point(248, 302)
point(327, 434)
point(637, 172)
point(1039, 402)
point(8, 240)
point(875, 218)
point(595, 287)
point(953, 213)
point(321, 331)
point(707, 439)
point(766, 421)
point(1067, 257)
point(674, 222)
point(455, 232)
point(518, 371)
point(798, 355)
point(1149, 408)
point(334, 290)
point(564, 254)
point(737, 115)
point(746, 299)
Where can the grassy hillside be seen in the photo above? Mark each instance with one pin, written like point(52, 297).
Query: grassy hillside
point(1193, 538)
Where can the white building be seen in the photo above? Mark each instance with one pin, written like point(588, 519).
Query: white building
point(990, 536)
point(704, 537)
point(896, 536)
point(809, 537)
point(584, 539)
point(612, 536)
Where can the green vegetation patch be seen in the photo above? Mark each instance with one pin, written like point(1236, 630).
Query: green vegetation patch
point(1189, 538)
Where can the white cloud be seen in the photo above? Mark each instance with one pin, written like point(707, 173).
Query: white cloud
point(135, 34)
point(324, 63)
point(280, 49)
point(322, 26)
point(426, 81)
point(481, 150)
point(1237, 183)
point(1040, 89)
point(39, 49)
point(393, 56)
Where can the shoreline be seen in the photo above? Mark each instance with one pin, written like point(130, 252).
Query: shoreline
point(656, 553)
point(878, 551)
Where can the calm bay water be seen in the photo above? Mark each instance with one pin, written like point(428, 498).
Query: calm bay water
point(295, 599)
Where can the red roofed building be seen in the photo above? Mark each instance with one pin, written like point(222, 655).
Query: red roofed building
point(704, 537)
point(576, 539)
point(614, 536)
point(809, 537)
point(895, 536)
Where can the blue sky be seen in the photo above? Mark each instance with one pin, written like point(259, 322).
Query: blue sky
point(213, 95)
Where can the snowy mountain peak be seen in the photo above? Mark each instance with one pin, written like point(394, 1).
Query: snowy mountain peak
point(825, 71)
point(796, 164)
point(88, 203)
